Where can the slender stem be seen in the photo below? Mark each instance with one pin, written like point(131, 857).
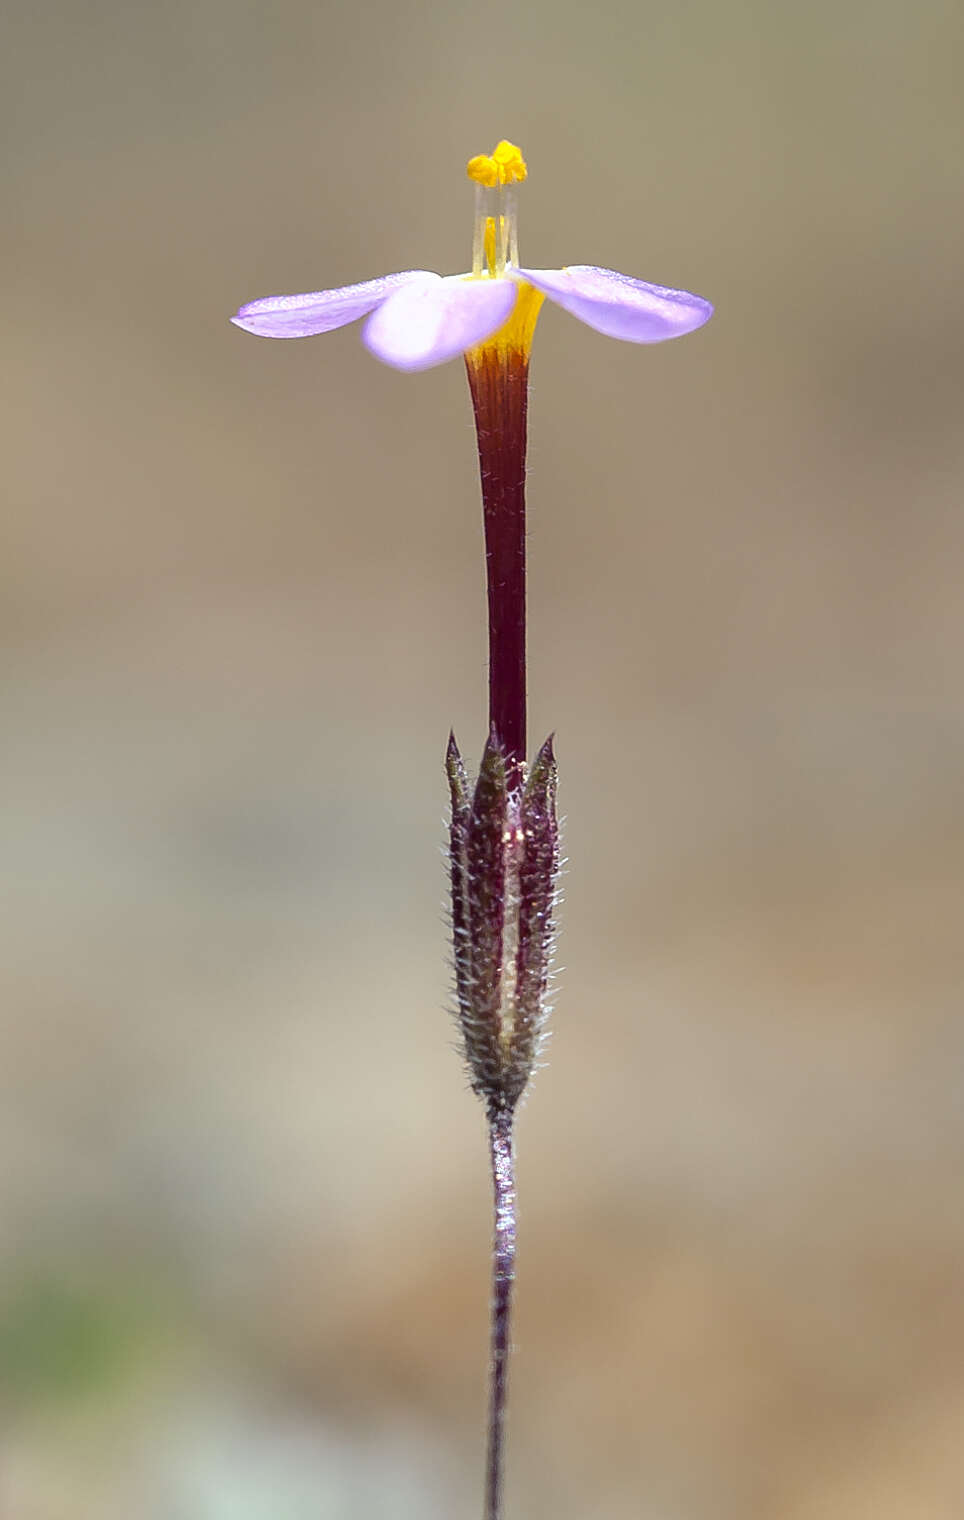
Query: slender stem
point(503, 1277)
point(499, 384)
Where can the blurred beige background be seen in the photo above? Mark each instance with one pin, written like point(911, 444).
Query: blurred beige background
point(243, 1270)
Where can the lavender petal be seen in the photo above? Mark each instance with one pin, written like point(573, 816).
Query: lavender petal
point(428, 323)
point(319, 311)
point(619, 306)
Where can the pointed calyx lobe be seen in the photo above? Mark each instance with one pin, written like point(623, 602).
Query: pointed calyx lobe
point(504, 865)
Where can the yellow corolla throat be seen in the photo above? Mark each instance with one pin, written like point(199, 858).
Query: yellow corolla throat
point(514, 337)
point(495, 242)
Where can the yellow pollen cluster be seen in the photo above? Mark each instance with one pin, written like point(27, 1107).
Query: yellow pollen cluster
point(504, 166)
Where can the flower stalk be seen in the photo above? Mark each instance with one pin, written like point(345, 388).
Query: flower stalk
point(503, 1279)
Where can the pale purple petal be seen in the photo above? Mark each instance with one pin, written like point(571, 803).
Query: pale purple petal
point(619, 306)
point(322, 310)
point(426, 324)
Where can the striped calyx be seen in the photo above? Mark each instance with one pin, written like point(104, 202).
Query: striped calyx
point(504, 865)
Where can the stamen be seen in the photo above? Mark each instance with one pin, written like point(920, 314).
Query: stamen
point(489, 244)
point(495, 245)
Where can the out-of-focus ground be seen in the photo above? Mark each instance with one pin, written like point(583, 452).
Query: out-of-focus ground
point(242, 1187)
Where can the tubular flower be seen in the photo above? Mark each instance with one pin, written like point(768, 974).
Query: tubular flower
point(504, 855)
point(417, 319)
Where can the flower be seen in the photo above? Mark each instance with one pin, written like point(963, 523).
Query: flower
point(418, 319)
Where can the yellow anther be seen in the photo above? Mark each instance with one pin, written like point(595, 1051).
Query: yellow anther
point(512, 166)
point(483, 170)
point(504, 166)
